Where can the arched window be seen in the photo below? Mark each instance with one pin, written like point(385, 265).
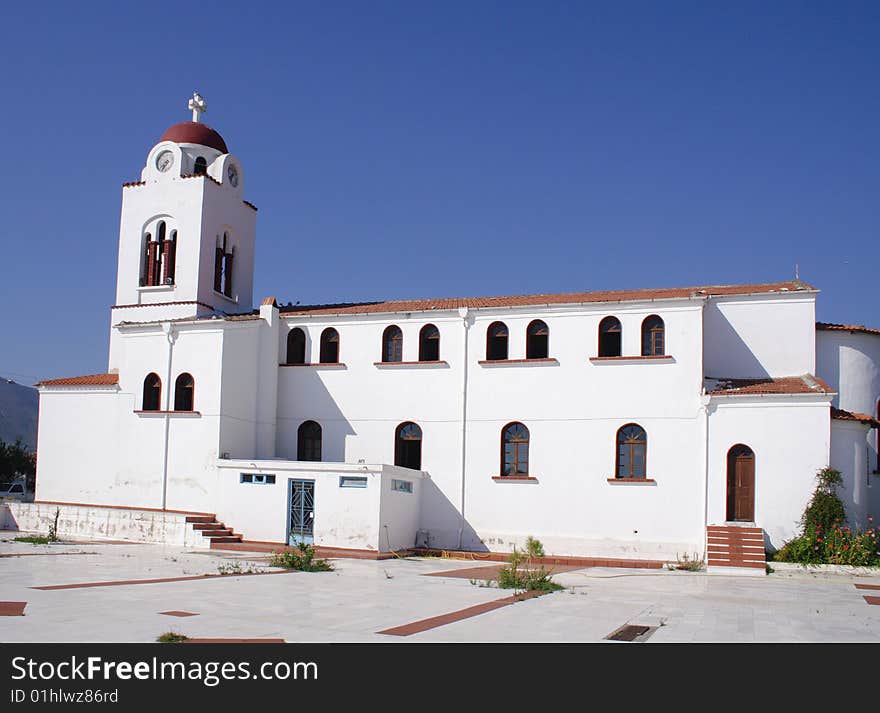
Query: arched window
point(308, 441)
point(329, 346)
point(408, 446)
point(653, 336)
point(152, 393)
point(515, 450)
point(632, 450)
point(392, 344)
point(183, 393)
point(429, 343)
point(201, 167)
point(296, 346)
point(537, 340)
point(609, 337)
point(496, 342)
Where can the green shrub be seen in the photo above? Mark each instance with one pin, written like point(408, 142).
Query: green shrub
point(33, 539)
point(825, 509)
point(171, 637)
point(825, 538)
point(528, 578)
point(302, 558)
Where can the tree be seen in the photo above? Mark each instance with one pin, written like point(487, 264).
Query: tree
point(17, 461)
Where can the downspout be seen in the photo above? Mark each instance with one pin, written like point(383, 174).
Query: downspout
point(169, 335)
point(705, 408)
point(463, 312)
point(705, 401)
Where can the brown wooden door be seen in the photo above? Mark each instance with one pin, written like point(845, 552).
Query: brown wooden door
point(740, 484)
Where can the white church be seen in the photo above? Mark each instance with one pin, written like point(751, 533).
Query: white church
point(631, 425)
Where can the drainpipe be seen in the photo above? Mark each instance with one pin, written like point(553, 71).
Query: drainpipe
point(169, 335)
point(705, 408)
point(463, 313)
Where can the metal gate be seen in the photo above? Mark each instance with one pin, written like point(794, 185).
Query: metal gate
point(300, 511)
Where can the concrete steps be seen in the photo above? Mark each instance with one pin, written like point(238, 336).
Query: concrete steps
point(735, 549)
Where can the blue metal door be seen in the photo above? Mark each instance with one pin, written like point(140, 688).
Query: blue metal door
point(300, 511)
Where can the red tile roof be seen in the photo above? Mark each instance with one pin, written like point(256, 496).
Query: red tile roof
point(90, 380)
point(842, 415)
point(831, 327)
point(804, 384)
point(452, 303)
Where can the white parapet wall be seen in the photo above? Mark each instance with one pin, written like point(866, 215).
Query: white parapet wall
point(96, 522)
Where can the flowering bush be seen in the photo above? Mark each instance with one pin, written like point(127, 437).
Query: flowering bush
point(826, 539)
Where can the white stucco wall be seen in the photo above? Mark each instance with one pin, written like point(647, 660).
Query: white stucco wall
point(573, 409)
point(790, 437)
point(850, 455)
point(761, 335)
point(371, 518)
point(850, 362)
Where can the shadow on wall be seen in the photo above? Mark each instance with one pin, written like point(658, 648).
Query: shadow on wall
point(726, 354)
point(442, 520)
point(301, 392)
point(828, 365)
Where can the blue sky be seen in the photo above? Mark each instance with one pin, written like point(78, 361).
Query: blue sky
point(431, 149)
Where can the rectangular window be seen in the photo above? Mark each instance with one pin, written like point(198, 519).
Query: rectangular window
point(351, 481)
point(402, 486)
point(258, 479)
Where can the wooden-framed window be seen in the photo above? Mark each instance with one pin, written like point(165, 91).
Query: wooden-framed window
point(184, 392)
point(152, 393)
point(632, 452)
point(296, 346)
point(537, 340)
point(496, 341)
point(653, 336)
point(329, 346)
point(159, 257)
point(224, 255)
point(408, 446)
point(610, 337)
point(429, 343)
point(392, 344)
point(308, 441)
point(515, 450)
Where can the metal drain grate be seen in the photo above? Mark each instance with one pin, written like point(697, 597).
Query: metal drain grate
point(629, 632)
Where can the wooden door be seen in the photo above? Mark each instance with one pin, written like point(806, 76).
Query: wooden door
point(740, 484)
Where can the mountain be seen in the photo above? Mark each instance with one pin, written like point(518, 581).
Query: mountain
point(18, 413)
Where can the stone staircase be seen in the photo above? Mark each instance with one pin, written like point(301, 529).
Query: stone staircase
point(735, 550)
point(208, 526)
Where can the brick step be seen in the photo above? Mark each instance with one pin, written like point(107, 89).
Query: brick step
point(734, 563)
point(741, 530)
point(200, 518)
point(219, 532)
point(208, 526)
point(722, 538)
point(751, 556)
point(228, 538)
point(744, 548)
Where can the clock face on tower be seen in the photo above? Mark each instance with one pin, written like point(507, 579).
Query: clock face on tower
point(232, 174)
point(164, 161)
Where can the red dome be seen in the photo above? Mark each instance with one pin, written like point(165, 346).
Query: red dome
point(192, 132)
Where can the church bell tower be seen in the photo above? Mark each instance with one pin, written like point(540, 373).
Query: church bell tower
point(186, 239)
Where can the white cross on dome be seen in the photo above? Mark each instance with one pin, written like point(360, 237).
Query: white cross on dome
point(197, 105)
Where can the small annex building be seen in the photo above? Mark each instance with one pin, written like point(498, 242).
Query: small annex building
point(636, 424)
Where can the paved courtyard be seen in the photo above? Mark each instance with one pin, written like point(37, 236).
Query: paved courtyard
point(361, 598)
